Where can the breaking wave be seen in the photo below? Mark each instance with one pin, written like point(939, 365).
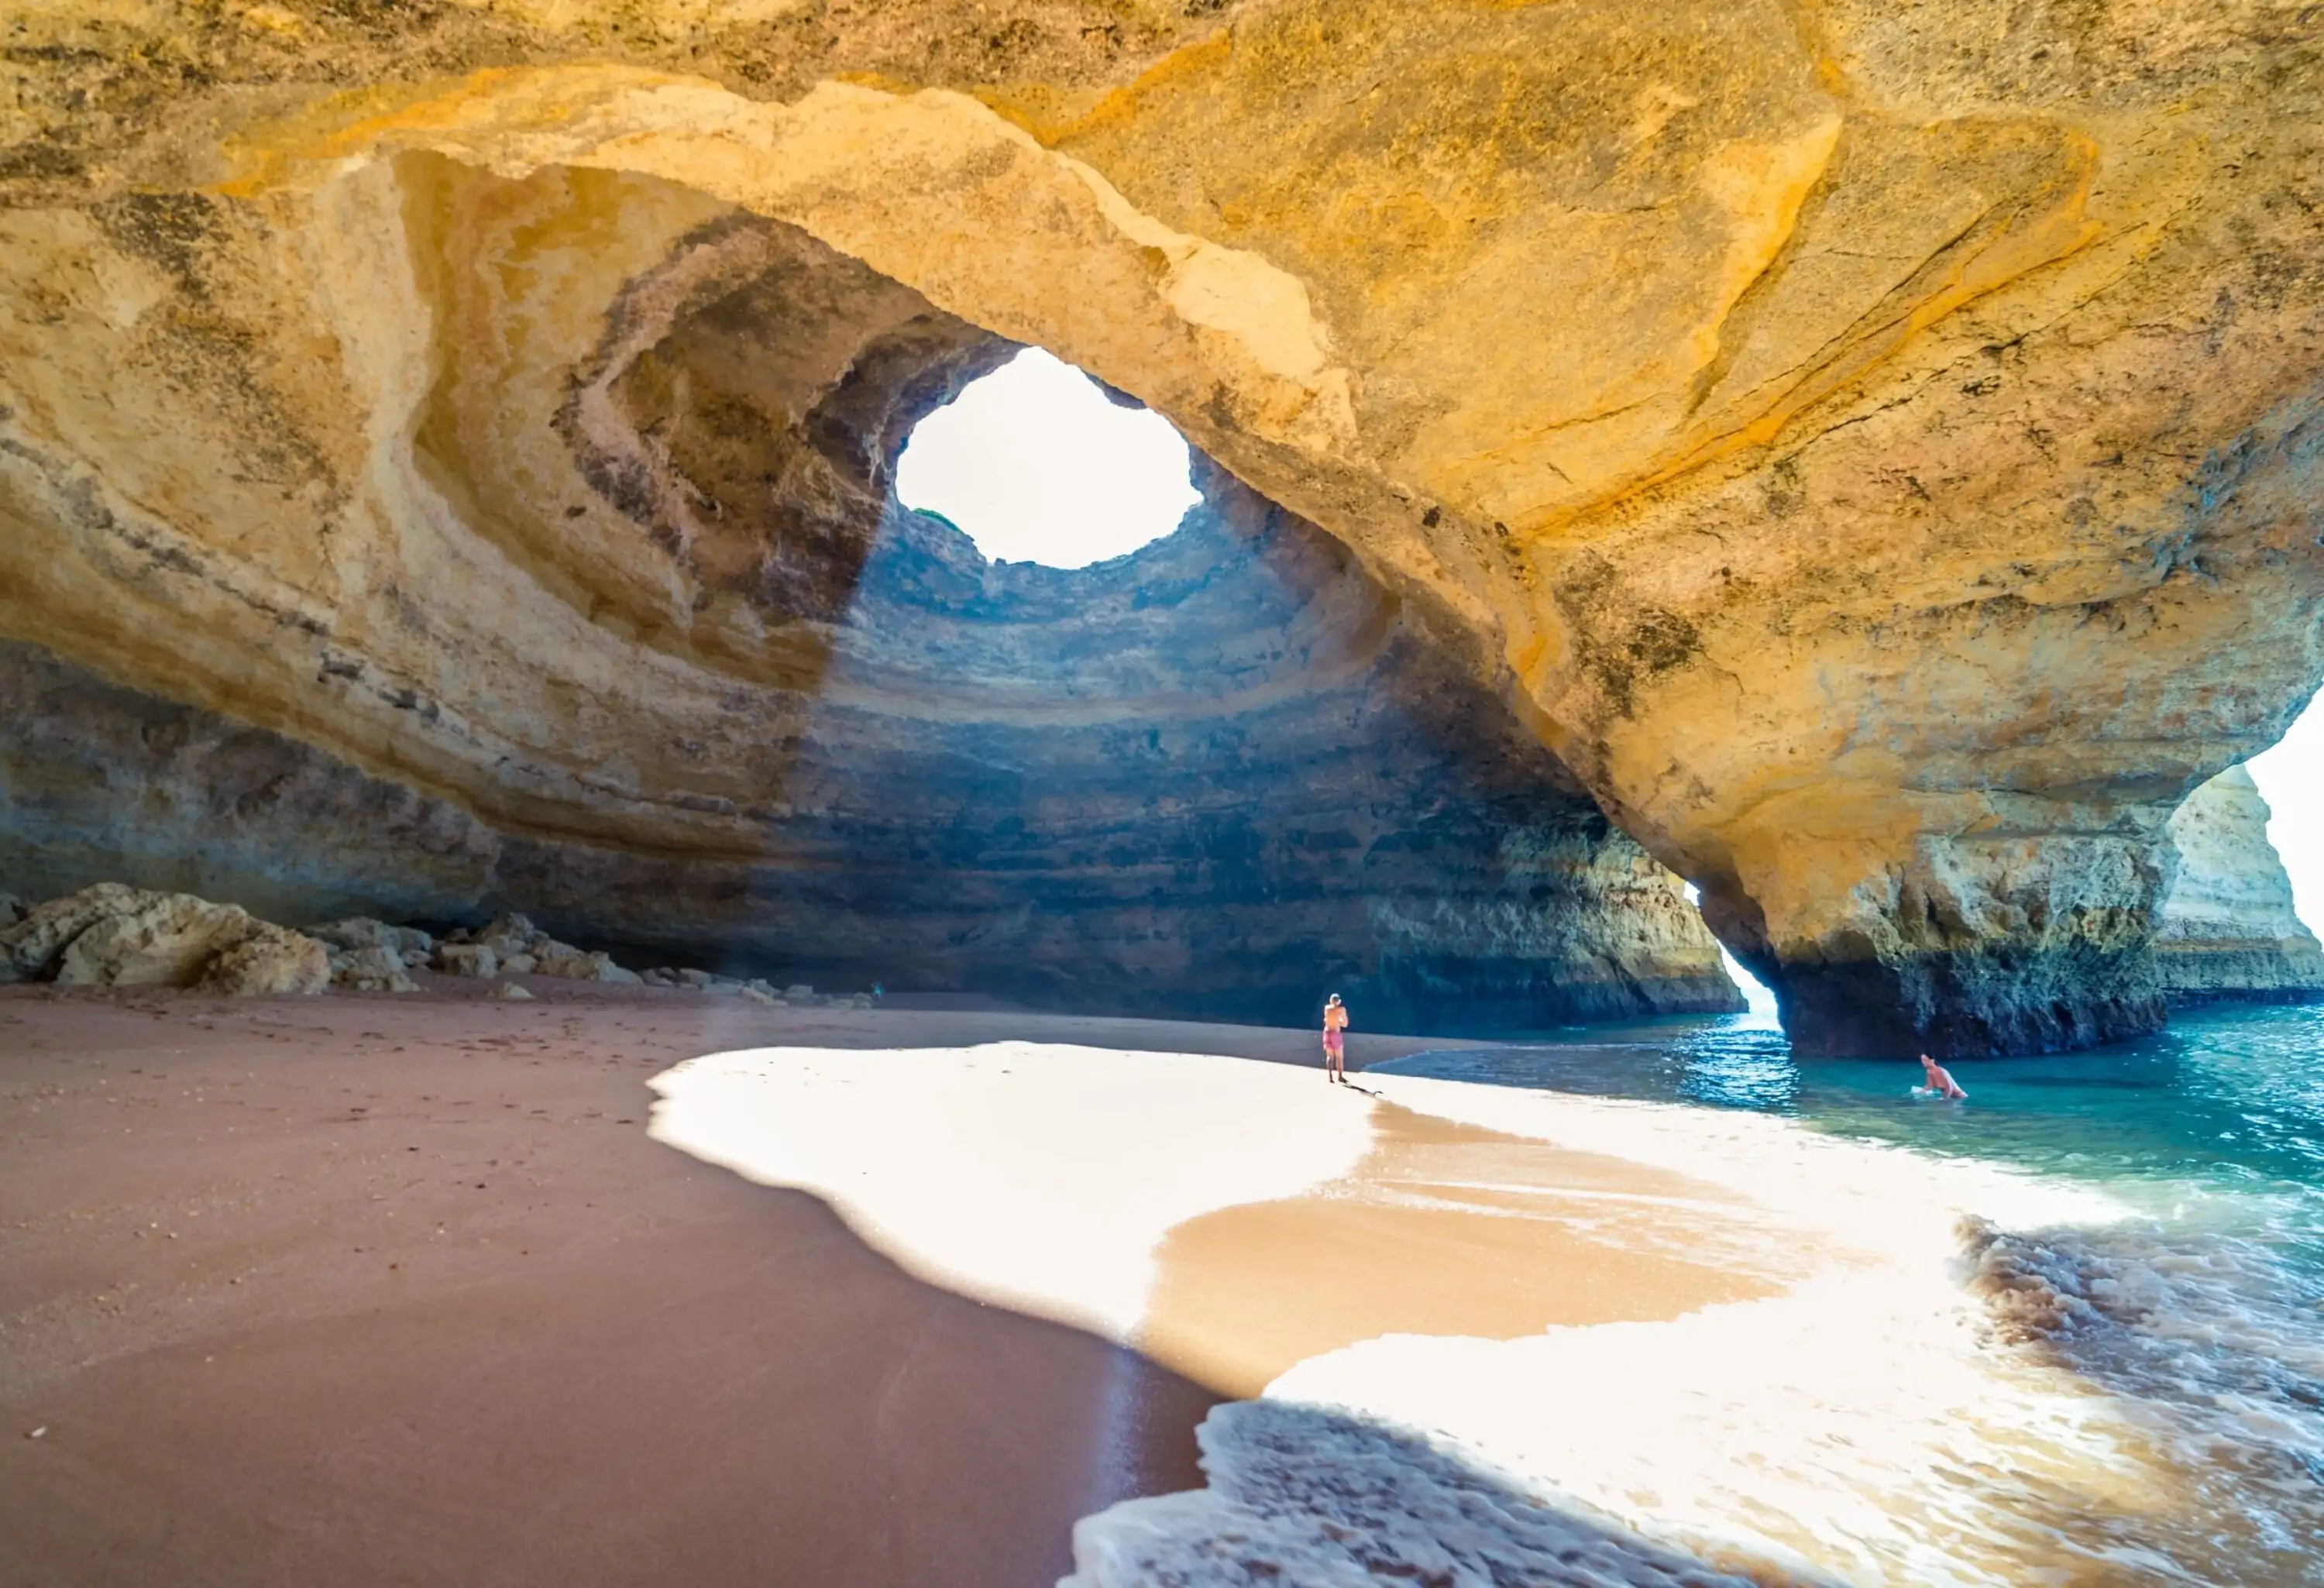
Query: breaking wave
point(2212, 1345)
point(2111, 1372)
point(1302, 1495)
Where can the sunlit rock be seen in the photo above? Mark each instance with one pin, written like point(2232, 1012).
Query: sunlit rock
point(1879, 445)
point(2228, 928)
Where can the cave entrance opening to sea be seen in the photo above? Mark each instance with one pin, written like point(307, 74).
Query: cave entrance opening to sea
point(1035, 462)
point(2288, 772)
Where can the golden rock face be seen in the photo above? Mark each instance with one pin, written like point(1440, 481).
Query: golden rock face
point(1881, 446)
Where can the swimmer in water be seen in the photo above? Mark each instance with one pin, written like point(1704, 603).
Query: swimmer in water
point(1941, 1080)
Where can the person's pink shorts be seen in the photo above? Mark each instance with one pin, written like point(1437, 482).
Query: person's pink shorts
point(1335, 1043)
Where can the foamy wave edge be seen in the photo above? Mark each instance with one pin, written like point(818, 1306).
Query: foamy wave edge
point(1331, 1480)
point(1310, 1496)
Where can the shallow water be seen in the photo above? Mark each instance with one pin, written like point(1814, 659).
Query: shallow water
point(1653, 1306)
point(2227, 1101)
point(2193, 1314)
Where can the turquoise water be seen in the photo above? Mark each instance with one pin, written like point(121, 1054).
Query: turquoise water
point(2202, 1311)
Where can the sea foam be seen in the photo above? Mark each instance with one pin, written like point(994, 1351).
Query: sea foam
point(1968, 1374)
point(1932, 1406)
point(1299, 1495)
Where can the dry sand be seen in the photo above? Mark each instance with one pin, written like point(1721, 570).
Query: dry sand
point(383, 1290)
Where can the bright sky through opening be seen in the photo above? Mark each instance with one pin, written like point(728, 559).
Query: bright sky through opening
point(1036, 465)
point(2290, 775)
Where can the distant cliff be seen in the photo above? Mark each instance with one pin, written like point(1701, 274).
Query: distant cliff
point(2228, 929)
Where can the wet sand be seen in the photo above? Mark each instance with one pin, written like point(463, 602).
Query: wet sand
point(1718, 1332)
point(385, 1290)
point(1441, 1229)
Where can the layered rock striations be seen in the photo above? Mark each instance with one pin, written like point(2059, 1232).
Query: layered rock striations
point(1882, 445)
point(1216, 778)
point(2227, 926)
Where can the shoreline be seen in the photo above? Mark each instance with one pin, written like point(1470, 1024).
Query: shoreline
point(385, 1289)
point(376, 1289)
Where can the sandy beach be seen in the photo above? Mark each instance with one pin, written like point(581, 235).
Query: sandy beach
point(622, 1285)
point(373, 1290)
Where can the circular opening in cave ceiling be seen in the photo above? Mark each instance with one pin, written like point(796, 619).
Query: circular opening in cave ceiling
point(1037, 463)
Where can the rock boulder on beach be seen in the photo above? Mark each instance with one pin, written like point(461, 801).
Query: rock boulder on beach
point(30, 949)
point(357, 932)
point(271, 962)
point(370, 970)
point(467, 959)
point(509, 935)
point(114, 936)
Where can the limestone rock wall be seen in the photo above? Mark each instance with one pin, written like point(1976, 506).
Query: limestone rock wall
point(102, 783)
point(1220, 777)
point(1884, 444)
point(2227, 926)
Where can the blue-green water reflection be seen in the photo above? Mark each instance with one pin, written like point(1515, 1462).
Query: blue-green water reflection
point(2203, 1311)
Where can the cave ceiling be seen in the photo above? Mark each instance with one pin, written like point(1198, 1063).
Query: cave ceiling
point(1875, 447)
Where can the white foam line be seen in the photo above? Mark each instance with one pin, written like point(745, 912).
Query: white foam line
point(1858, 1191)
point(1812, 1429)
point(1819, 1426)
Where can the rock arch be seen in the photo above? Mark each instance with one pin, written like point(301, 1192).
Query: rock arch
point(1883, 451)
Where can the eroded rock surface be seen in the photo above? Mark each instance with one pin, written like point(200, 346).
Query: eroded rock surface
point(1219, 777)
point(115, 935)
point(268, 962)
point(370, 970)
point(2228, 928)
point(1882, 444)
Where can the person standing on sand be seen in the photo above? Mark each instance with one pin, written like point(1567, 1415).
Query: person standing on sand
point(1940, 1079)
point(1335, 1041)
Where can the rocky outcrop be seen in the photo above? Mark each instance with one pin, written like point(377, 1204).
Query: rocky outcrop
point(370, 955)
point(361, 934)
point(370, 970)
point(511, 944)
point(467, 959)
point(267, 963)
point(114, 936)
point(1879, 447)
point(2228, 929)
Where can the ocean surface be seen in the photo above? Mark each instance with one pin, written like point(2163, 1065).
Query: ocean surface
point(2190, 1309)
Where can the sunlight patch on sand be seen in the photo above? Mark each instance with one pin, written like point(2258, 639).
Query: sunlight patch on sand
point(1715, 1329)
point(1038, 1176)
point(1449, 1229)
point(1853, 1424)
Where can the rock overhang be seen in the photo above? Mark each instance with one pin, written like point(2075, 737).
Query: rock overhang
point(1874, 445)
